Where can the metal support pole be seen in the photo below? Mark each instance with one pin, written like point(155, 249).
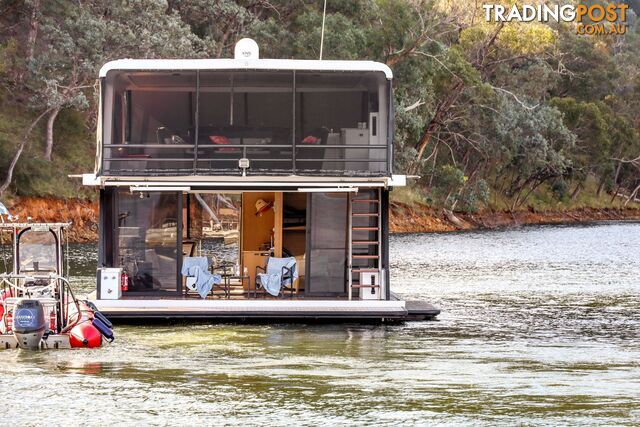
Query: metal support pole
point(350, 246)
point(293, 127)
point(380, 278)
point(197, 124)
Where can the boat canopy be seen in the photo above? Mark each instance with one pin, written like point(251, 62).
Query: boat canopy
point(245, 117)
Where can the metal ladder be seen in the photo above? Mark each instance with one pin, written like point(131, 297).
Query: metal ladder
point(371, 245)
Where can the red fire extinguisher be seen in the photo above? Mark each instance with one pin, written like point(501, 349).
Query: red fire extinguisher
point(124, 281)
point(52, 320)
point(9, 325)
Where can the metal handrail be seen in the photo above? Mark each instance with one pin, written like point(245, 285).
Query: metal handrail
point(324, 146)
point(149, 145)
point(290, 155)
point(334, 146)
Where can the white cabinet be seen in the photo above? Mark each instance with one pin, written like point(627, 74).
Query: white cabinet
point(109, 283)
point(354, 136)
point(370, 279)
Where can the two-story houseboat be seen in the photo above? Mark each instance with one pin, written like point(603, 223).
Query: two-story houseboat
point(252, 165)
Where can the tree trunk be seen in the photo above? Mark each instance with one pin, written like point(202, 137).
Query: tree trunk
point(453, 219)
point(575, 193)
point(32, 35)
point(23, 144)
point(632, 196)
point(600, 186)
point(615, 193)
point(48, 150)
point(435, 123)
point(33, 29)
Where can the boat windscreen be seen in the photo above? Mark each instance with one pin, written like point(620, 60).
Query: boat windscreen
point(37, 251)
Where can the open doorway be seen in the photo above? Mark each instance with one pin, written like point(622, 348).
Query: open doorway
point(211, 224)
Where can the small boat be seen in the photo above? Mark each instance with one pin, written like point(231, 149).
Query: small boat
point(38, 309)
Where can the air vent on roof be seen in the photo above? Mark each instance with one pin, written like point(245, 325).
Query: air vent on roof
point(246, 49)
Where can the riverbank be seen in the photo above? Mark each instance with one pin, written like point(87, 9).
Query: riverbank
point(405, 218)
point(83, 214)
point(419, 218)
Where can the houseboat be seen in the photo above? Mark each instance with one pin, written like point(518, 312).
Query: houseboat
point(246, 188)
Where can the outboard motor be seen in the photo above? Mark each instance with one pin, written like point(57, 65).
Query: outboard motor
point(29, 324)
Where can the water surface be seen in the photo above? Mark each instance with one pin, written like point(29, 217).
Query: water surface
point(540, 326)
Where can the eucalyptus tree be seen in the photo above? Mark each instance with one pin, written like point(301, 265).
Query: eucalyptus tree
point(73, 42)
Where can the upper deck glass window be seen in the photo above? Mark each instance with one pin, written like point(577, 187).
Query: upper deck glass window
point(153, 120)
point(251, 113)
point(340, 109)
point(284, 122)
point(154, 108)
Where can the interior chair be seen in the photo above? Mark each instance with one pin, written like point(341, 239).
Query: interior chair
point(286, 276)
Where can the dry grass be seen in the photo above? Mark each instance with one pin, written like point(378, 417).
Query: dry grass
point(82, 214)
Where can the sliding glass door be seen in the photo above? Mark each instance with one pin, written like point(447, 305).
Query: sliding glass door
point(327, 244)
point(148, 233)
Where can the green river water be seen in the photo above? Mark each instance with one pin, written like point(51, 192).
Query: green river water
point(540, 326)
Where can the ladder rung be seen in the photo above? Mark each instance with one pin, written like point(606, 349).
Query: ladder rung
point(365, 286)
point(365, 228)
point(365, 270)
point(366, 201)
point(366, 214)
point(365, 256)
point(365, 242)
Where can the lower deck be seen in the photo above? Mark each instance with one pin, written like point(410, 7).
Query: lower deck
point(265, 309)
point(324, 243)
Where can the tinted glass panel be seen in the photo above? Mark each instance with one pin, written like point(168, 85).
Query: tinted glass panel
point(157, 111)
point(327, 243)
point(245, 114)
point(147, 240)
point(336, 110)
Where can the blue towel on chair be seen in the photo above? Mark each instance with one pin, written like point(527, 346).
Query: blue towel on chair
point(272, 280)
point(198, 267)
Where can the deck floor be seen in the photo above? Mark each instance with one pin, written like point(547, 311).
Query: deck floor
point(250, 306)
point(252, 309)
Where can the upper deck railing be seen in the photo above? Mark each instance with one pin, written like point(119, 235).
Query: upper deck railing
point(263, 158)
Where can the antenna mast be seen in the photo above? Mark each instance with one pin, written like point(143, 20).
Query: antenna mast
point(324, 14)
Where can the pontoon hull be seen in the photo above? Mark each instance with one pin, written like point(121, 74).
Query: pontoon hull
point(141, 310)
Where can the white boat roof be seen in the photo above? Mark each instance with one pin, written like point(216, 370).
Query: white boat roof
point(242, 64)
point(193, 182)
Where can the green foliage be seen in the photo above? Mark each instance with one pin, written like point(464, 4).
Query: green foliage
point(522, 113)
point(560, 189)
point(533, 145)
point(33, 175)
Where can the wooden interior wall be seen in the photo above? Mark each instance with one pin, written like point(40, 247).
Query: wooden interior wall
point(256, 230)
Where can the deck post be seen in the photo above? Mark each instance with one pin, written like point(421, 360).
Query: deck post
point(197, 125)
point(349, 246)
point(380, 269)
point(293, 126)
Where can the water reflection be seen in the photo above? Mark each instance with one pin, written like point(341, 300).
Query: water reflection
point(539, 326)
